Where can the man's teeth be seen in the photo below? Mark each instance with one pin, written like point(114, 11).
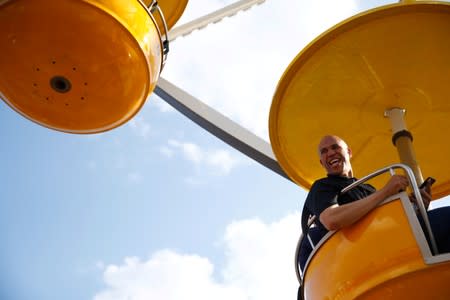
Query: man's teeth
point(334, 161)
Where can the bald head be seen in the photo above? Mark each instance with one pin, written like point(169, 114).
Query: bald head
point(330, 139)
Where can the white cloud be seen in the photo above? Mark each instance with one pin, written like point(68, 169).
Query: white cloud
point(100, 265)
point(261, 256)
point(135, 177)
point(161, 104)
point(92, 165)
point(166, 151)
point(216, 161)
point(222, 160)
point(194, 181)
point(192, 152)
point(166, 276)
point(139, 126)
point(120, 162)
point(258, 266)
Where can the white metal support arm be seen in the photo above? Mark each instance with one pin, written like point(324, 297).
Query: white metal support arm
point(220, 126)
point(213, 17)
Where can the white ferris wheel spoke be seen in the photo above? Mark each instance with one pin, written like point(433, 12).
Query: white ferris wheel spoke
point(220, 126)
point(213, 17)
point(206, 117)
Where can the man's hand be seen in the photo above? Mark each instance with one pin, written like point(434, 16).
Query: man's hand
point(426, 196)
point(396, 184)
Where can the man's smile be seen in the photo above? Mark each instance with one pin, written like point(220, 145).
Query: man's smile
point(334, 162)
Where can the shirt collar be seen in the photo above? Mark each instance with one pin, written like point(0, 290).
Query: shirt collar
point(341, 177)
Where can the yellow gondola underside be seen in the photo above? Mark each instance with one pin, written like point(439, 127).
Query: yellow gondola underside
point(80, 66)
point(393, 56)
point(376, 258)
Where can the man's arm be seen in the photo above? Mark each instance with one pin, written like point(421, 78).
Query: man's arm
point(337, 216)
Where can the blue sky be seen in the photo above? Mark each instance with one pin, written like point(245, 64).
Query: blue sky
point(158, 208)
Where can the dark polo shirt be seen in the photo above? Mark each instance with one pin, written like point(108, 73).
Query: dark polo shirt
point(323, 195)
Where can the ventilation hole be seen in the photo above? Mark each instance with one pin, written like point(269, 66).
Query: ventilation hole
point(53, 62)
point(74, 68)
point(60, 84)
point(37, 69)
point(82, 98)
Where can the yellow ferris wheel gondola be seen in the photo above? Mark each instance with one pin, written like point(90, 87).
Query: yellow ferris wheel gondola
point(82, 66)
point(342, 83)
point(379, 63)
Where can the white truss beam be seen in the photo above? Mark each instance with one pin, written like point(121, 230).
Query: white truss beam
point(220, 126)
point(213, 17)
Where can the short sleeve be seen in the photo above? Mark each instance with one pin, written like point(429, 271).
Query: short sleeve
point(321, 196)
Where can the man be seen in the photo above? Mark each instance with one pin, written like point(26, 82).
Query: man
point(334, 211)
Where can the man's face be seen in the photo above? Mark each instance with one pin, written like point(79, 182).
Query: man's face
point(335, 156)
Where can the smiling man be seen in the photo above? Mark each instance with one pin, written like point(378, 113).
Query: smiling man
point(334, 210)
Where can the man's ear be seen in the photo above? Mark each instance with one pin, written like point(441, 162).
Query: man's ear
point(349, 152)
point(321, 162)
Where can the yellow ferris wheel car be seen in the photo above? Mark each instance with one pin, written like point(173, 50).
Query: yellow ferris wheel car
point(82, 66)
point(391, 58)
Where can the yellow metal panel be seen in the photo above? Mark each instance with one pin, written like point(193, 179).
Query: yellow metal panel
point(393, 56)
point(106, 53)
point(375, 258)
point(429, 283)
